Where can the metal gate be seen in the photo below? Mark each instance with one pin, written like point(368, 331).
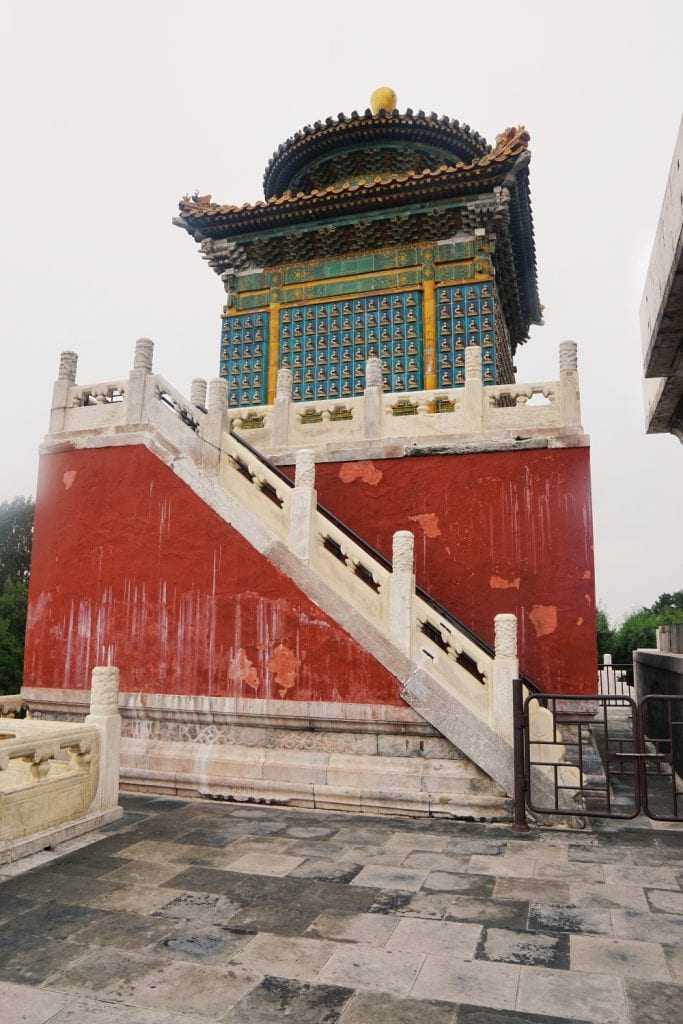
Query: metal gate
point(629, 756)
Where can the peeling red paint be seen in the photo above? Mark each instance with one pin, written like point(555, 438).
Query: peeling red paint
point(366, 472)
point(543, 618)
point(523, 515)
point(284, 665)
point(500, 583)
point(130, 567)
point(68, 478)
point(242, 671)
point(429, 523)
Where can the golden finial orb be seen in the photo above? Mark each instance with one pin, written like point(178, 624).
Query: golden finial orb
point(383, 98)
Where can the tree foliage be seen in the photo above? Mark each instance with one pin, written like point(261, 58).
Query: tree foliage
point(639, 628)
point(605, 634)
point(13, 601)
point(16, 534)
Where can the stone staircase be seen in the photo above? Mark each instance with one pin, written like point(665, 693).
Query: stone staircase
point(448, 752)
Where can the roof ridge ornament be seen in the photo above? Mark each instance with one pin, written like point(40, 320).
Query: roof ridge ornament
point(383, 98)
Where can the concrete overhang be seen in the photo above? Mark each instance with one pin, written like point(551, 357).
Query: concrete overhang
point(661, 310)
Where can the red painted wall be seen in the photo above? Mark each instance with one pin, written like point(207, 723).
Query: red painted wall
point(495, 532)
point(129, 566)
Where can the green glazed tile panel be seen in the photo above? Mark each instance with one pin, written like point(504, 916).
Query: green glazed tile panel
point(244, 357)
point(450, 252)
point(351, 286)
point(253, 300)
point(465, 316)
point(296, 274)
point(326, 345)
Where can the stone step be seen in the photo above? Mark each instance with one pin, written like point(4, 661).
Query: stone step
point(375, 784)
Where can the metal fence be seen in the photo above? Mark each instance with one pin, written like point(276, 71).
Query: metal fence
point(603, 756)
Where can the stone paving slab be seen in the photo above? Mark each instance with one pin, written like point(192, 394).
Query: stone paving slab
point(189, 912)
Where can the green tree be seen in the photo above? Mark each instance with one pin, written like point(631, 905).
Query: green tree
point(668, 603)
point(605, 634)
point(639, 629)
point(16, 535)
point(13, 601)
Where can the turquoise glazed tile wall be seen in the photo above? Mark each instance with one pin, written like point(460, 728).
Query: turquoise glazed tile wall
point(326, 345)
point(465, 316)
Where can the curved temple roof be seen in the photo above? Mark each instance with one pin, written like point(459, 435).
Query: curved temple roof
point(384, 143)
point(480, 174)
point(422, 175)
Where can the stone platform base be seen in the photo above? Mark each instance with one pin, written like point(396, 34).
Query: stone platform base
point(347, 757)
point(15, 849)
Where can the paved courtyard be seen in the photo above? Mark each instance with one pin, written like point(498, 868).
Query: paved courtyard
point(190, 912)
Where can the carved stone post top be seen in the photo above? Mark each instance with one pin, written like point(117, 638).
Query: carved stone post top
point(304, 474)
point(568, 357)
point(607, 659)
point(68, 361)
point(473, 361)
point(506, 635)
point(104, 694)
point(218, 393)
point(373, 373)
point(283, 388)
point(403, 551)
point(198, 392)
point(144, 354)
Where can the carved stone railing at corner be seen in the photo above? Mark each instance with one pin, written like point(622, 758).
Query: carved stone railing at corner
point(14, 706)
point(143, 399)
point(195, 426)
point(475, 408)
point(59, 779)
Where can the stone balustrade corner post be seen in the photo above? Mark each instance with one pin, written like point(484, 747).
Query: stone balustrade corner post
point(198, 393)
point(474, 390)
point(570, 394)
point(281, 408)
point(303, 506)
point(213, 426)
point(104, 713)
point(66, 378)
point(402, 590)
point(373, 400)
point(505, 669)
point(137, 380)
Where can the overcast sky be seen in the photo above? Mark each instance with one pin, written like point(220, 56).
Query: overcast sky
point(111, 112)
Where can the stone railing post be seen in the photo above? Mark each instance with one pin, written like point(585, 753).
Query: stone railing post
point(104, 713)
point(198, 393)
point(66, 378)
point(474, 391)
point(401, 590)
point(303, 507)
point(135, 391)
point(570, 398)
point(215, 424)
point(281, 408)
point(505, 669)
point(373, 423)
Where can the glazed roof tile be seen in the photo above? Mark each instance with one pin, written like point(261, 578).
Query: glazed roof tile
point(199, 213)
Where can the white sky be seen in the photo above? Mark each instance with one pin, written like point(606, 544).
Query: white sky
point(111, 112)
